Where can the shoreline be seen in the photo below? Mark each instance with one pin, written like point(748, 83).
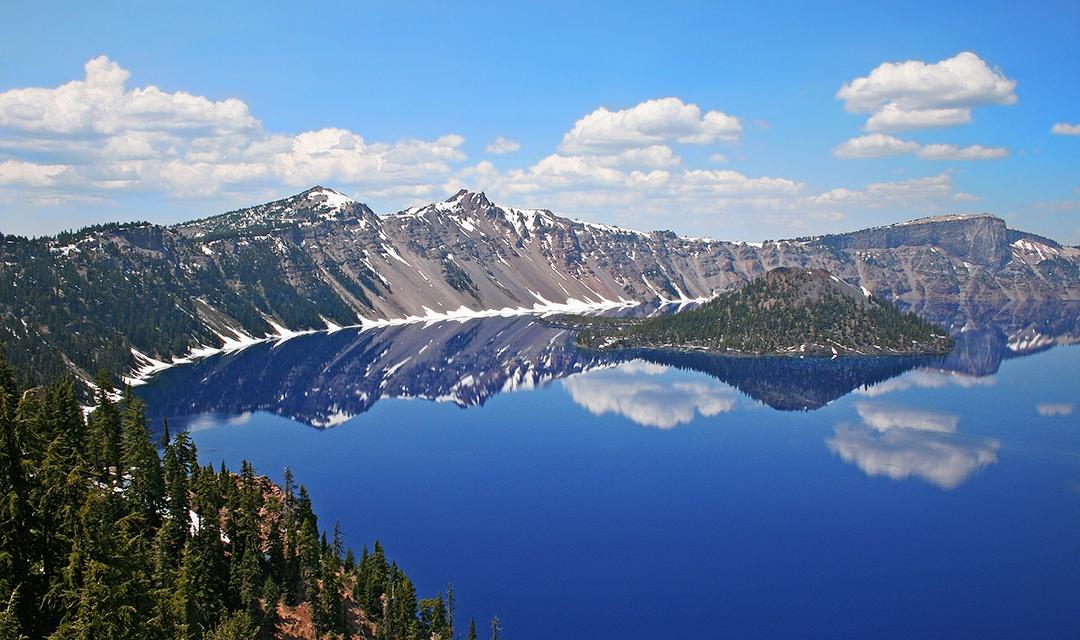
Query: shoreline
point(147, 366)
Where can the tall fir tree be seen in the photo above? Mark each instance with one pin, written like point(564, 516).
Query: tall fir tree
point(145, 488)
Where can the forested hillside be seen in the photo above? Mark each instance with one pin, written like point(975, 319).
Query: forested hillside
point(786, 311)
point(103, 537)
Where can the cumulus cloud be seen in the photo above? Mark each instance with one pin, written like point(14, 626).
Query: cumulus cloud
point(1065, 129)
point(501, 146)
point(28, 173)
point(100, 104)
point(917, 95)
point(645, 396)
point(875, 145)
point(907, 193)
point(638, 183)
point(880, 145)
point(657, 121)
point(97, 135)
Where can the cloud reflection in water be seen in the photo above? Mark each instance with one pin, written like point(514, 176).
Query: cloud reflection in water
point(636, 391)
point(899, 442)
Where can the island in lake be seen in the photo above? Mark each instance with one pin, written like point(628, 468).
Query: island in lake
point(788, 311)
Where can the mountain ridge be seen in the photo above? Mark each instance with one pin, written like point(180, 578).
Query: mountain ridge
point(83, 301)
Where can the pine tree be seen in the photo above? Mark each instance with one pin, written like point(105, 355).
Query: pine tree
point(199, 601)
point(471, 633)
point(247, 581)
point(16, 511)
point(271, 595)
point(237, 626)
point(105, 588)
point(328, 612)
point(145, 487)
point(10, 626)
point(177, 469)
point(104, 431)
point(63, 482)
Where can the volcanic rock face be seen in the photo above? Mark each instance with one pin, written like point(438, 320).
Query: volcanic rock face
point(469, 252)
point(319, 259)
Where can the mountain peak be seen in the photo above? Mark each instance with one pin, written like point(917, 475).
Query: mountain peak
point(469, 199)
point(326, 196)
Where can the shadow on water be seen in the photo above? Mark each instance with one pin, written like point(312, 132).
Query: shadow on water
point(323, 379)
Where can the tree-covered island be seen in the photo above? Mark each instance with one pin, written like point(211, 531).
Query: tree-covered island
point(787, 311)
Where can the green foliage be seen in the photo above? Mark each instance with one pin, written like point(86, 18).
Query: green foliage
point(787, 311)
point(141, 549)
point(88, 298)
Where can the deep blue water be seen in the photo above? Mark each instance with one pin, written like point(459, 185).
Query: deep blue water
point(668, 498)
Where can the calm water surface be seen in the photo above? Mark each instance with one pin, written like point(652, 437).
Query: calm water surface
point(641, 496)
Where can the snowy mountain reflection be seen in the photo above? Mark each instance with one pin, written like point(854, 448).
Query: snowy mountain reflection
point(324, 379)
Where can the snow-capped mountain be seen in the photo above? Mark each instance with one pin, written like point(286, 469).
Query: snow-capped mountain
point(319, 260)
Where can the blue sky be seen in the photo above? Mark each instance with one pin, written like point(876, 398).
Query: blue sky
point(726, 121)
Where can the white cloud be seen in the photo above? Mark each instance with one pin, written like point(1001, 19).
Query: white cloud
point(893, 118)
point(879, 145)
point(100, 104)
point(875, 145)
point(95, 138)
point(14, 172)
point(953, 152)
point(1065, 129)
point(1055, 409)
point(97, 135)
point(901, 193)
point(501, 146)
point(651, 122)
point(718, 158)
point(645, 396)
point(916, 95)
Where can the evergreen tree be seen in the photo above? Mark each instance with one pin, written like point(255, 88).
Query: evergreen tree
point(105, 590)
point(177, 468)
point(271, 596)
point(471, 633)
point(63, 482)
point(10, 627)
point(140, 552)
point(328, 612)
point(145, 487)
point(199, 601)
point(104, 430)
point(238, 626)
point(16, 510)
